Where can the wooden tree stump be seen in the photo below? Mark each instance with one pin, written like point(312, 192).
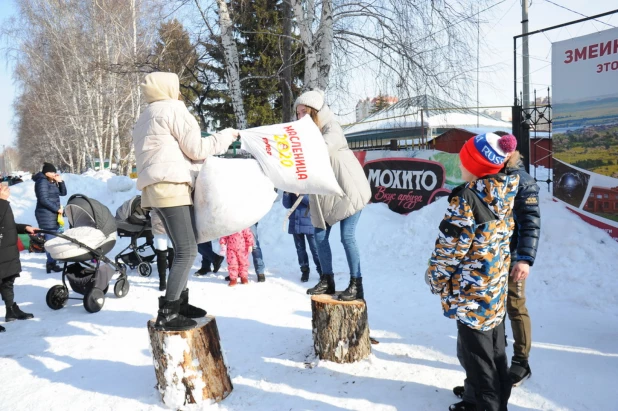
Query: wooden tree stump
point(189, 365)
point(340, 329)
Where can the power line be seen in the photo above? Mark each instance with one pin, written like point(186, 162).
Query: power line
point(576, 12)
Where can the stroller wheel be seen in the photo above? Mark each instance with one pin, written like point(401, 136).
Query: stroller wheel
point(94, 300)
point(57, 297)
point(121, 288)
point(144, 269)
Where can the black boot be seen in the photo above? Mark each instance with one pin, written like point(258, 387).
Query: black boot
point(187, 309)
point(53, 267)
point(162, 269)
point(354, 290)
point(14, 313)
point(217, 263)
point(170, 257)
point(2, 329)
point(169, 319)
point(261, 278)
point(304, 277)
point(205, 269)
point(325, 286)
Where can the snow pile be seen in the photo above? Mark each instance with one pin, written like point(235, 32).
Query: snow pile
point(71, 360)
point(120, 184)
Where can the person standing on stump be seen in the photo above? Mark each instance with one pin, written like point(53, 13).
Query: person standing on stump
point(10, 266)
point(168, 146)
point(48, 188)
point(328, 210)
point(524, 244)
point(301, 228)
point(163, 248)
point(469, 266)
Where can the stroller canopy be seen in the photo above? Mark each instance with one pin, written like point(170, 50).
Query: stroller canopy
point(131, 212)
point(82, 211)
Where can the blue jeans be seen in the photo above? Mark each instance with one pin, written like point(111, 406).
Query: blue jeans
point(301, 250)
point(258, 261)
point(208, 256)
point(348, 239)
point(48, 237)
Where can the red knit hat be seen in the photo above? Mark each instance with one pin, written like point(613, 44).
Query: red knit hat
point(485, 154)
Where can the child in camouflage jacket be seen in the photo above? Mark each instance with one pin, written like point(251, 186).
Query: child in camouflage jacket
point(469, 266)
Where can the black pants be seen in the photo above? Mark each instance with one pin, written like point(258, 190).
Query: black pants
point(485, 362)
point(6, 290)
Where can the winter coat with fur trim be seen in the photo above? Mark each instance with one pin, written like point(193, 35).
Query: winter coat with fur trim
point(330, 209)
point(469, 266)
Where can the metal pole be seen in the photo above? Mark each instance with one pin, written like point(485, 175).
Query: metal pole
point(525, 54)
point(514, 71)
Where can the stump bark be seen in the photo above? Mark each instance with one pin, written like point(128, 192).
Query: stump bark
point(340, 329)
point(189, 365)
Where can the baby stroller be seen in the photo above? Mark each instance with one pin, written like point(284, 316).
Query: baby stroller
point(134, 222)
point(82, 249)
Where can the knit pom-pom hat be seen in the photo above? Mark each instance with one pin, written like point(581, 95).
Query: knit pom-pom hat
point(485, 154)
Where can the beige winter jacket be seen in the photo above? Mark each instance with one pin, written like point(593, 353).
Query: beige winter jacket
point(349, 173)
point(169, 149)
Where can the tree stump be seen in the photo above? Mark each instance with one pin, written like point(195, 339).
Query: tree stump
point(340, 329)
point(189, 365)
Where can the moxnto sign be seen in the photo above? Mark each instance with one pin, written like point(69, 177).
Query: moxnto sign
point(405, 184)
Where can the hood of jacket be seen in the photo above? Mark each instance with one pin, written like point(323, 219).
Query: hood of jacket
point(160, 86)
point(497, 191)
point(38, 176)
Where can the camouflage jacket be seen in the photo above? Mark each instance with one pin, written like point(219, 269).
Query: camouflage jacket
point(469, 267)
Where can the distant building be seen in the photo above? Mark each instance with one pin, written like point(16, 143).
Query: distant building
point(366, 107)
point(602, 200)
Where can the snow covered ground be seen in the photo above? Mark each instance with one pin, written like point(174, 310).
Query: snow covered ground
point(72, 360)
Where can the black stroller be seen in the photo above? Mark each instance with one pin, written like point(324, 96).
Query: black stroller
point(82, 249)
point(132, 221)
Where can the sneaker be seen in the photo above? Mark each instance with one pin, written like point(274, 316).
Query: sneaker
point(519, 372)
point(244, 280)
point(462, 406)
point(459, 391)
point(233, 282)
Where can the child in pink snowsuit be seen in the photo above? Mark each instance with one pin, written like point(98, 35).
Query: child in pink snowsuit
point(238, 247)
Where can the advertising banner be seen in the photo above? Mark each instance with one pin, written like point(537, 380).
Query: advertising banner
point(585, 124)
point(409, 180)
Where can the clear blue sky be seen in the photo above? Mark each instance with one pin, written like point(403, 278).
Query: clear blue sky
point(495, 88)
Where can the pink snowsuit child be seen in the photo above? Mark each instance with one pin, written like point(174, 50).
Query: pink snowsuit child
point(238, 247)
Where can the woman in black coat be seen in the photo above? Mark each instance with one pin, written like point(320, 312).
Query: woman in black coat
point(48, 187)
point(10, 266)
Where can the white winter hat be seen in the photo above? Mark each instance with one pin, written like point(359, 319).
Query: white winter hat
point(313, 99)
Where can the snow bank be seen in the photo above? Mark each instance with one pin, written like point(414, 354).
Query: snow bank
point(72, 360)
point(120, 184)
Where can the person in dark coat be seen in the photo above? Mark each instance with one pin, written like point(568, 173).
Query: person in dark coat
point(10, 266)
point(49, 187)
point(301, 228)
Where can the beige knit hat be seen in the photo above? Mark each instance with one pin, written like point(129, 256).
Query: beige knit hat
point(160, 86)
point(313, 99)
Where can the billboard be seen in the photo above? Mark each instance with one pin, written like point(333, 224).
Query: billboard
point(585, 127)
point(409, 180)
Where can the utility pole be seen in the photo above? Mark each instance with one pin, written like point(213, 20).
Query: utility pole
point(525, 54)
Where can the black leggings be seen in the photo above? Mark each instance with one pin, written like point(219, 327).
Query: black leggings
point(6, 290)
point(180, 228)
